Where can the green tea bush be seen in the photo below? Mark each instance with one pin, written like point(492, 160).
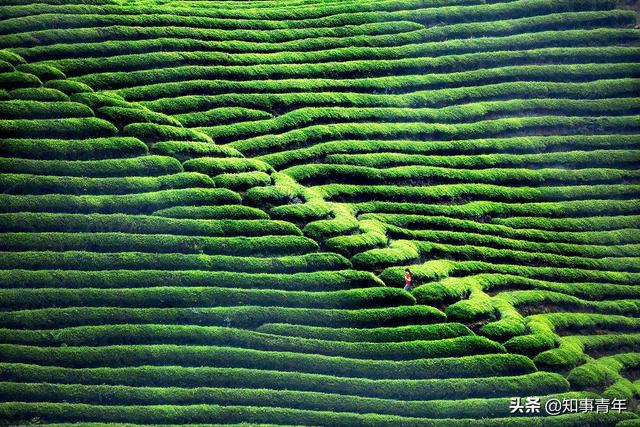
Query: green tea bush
point(122, 117)
point(11, 57)
point(81, 260)
point(398, 83)
point(267, 19)
point(303, 212)
point(428, 175)
point(212, 212)
point(397, 334)
point(215, 166)
point(16, 79)
point(64, 149)
point(186, 150)
point(43, 94)
point(392, 32)
point(139, 203)
point(242, 316)
point(343, 223)
point(503, 386)
point(572, 212)
point(485, 253)
point(510, 322)
point(492, 147)
point(388, 360)
point(590, 323)
point(398, 252)
point(149, 224)
point(423, 224)
point(39, 184)
point(601, 373)
point(574, 224)
point(137, 166)
point(260, 13)
point(530, 344)
point(43, 71)
point(574, 159)
point(165, 243)
point(57, 128)
point(311, 282)
point(495, 283)
point(572, 350)
point(103, 99)
point(43, 110)
point(308, 116)
point(441, 268)
point(113, 395)
point(367, 68)
point(242, 181)
point(253, 19)
point(68, 87)
point(152, 132)
point(265, 144)
point(532, 299)
point(68, 412)
point(513, 145)
point(467, 192)
point(150, 38)
point(285, 191)
point(569, 249)
point(212, 296)
point(372, 235)
point(220, 116)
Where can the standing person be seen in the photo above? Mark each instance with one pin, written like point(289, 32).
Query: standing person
point(408, 280)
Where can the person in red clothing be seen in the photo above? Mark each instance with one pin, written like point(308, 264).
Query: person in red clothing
point(408, 280)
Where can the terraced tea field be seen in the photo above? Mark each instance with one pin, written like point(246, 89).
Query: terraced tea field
point(207, 207)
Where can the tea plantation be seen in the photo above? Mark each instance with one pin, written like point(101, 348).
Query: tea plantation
point(207, 208)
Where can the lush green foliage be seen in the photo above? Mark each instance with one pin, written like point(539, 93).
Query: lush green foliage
point(64, 149)
point(131, 203)
point(185, 150)
point(44, 184)
point(208, 208)
point(312, 282)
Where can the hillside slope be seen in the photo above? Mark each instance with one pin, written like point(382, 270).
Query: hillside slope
point(206, 209)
